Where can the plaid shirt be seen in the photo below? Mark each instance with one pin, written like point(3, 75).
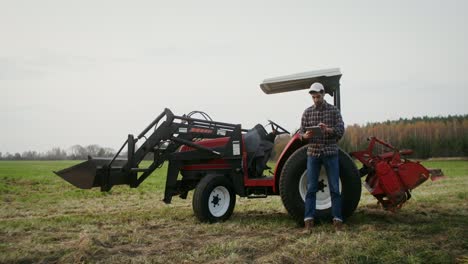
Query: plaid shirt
point(330, 116)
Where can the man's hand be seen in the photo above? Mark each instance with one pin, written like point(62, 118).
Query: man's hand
point(308, 134)
point(325, 128)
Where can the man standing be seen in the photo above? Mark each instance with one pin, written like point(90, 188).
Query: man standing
point(322, 150)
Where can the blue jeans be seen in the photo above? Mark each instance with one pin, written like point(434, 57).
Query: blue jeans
point(332, 168)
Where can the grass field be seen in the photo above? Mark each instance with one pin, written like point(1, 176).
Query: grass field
point(45, 219)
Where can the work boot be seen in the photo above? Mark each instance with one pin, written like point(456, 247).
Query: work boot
point(308, 225)
point(337, 224)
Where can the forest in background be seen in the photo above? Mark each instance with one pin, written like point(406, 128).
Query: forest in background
point(76, 152)
point(427, 136)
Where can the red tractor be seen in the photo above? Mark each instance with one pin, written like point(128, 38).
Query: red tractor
point(220, 160)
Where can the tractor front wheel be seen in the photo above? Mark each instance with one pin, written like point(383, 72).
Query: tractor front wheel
point(293, 186)
point(214, 199)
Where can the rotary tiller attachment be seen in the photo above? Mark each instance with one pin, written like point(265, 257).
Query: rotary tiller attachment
point(389, 177)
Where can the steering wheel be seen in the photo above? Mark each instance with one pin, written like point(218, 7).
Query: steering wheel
point(279, 130)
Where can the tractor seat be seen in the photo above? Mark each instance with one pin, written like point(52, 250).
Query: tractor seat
point(254, 137)
point(258, 149)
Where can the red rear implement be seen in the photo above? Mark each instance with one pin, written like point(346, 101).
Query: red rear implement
point(390, 178)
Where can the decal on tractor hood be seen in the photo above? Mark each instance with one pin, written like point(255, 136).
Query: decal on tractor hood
point(235, 148)
point(221, 132)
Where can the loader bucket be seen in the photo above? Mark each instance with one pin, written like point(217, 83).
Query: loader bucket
point(90, 173)
point(81, 175)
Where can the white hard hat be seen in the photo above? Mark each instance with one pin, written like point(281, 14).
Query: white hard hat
point(316, 88)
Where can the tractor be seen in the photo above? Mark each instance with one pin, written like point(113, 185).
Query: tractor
point(221, 161)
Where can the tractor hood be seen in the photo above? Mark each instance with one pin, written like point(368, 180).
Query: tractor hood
point(330, 78)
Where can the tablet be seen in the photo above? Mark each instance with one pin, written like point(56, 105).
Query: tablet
point(316, 130)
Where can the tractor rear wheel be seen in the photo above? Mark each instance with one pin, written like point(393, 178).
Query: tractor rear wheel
point(293, 187)
point(214, 199)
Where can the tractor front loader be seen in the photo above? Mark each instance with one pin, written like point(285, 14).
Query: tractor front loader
point(210, 156)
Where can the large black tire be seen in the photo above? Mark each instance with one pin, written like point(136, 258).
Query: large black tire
point(295, 167)
point(214, 199)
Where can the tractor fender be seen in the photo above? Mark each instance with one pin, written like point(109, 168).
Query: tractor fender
point(293, 144)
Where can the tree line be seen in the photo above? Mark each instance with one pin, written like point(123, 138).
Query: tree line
point(76, 152)
point(426, 136)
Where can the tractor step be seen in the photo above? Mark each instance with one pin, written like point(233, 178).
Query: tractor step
point(139, 169)
point(263, 178)
point(255, 196)
point(257, 192)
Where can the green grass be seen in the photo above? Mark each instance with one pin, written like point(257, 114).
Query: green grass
point(45, 219)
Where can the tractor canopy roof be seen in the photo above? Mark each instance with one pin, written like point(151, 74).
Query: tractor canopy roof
point(330, 78)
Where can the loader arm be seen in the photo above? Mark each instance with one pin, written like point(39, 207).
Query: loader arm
point(164, 142)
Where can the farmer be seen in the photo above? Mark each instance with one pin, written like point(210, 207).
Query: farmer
point(322, 150)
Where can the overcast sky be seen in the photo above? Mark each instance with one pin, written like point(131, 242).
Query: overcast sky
point(91, 72)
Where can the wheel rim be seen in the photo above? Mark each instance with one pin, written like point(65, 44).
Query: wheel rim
point(219, 200)
point(323, 197)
